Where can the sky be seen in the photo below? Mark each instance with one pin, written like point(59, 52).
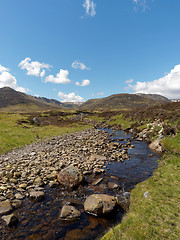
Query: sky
point(75, 50)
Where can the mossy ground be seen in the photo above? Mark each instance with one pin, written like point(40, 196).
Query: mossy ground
point(13, 134)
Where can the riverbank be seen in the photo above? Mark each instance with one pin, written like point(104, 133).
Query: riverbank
point(154, 209)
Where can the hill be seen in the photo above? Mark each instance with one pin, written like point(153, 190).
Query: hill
point(11, 100)
point(124, 101)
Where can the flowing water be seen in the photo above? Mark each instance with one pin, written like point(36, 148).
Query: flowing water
point(40, 220)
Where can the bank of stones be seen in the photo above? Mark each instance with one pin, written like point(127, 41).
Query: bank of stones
point(24, 170)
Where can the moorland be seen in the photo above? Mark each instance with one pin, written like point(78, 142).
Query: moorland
point(149, 117)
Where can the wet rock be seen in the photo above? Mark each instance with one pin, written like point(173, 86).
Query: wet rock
point(70, 177)
point(17, 203)
point(36, 195)
point(5, 207)
point(96, 182)
point(123, 200)
point(99, 204)
point(11, 220)
point(53, 184)
point(113, 185)
point(69, 213)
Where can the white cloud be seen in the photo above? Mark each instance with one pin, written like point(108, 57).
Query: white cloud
point(61, 77)
point(78, 65)
point(8, 80)
point(71, 97)
point(90, 6)
point(168, 86)
point(84, 83)
point(129, 81)
point(143, 4)
point(34, 68)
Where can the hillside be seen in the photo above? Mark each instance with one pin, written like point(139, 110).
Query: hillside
point(124, 101)
point(11, 100)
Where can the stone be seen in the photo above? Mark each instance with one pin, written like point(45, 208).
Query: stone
point(156, 146)
point(70, 177)
point(99, 204)
point(96, 182)
point(17, 203)
point(113, 185)
point(123, 200)
point(11, 220)
point(36, 195)
point(69, 213)
point(19, 196)
point(5, 207)
point(23, 186)
point(53, 184)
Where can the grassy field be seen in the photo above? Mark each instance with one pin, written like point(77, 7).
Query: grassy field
point(13, 134)
point(156, 216)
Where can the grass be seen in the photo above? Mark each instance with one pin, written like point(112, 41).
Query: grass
point(120, 120)
point(158, 215)
point(13, 135)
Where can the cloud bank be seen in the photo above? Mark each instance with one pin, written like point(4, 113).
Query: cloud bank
point(168, 86)
point(71, 97)
point(34, 68)
point(61, 77)
point(90, 6)
point(84, 83)
point(78, 65)
point(8, 80)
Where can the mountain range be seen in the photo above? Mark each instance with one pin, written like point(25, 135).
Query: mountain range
point(11, 100)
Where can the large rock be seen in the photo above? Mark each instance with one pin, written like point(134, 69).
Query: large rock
point(11, 220)
point(5, 207)
point(70, 177)
point(69, 213)
point(99, 204)
point(156, 146)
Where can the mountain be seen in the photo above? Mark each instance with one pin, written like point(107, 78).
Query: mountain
point(12, 100)
point(124, 101)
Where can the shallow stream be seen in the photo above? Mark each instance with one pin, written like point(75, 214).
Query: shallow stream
point(40, 220)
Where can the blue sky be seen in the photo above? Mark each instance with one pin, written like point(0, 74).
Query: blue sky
point(75, 50)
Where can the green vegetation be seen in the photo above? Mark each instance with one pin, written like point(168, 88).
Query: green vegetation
point(172, 144)
point(15, 131)
point(157, 215)
point(120, 120)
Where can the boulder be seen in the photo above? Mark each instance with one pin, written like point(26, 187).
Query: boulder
point(99, 204)
point(11, 220)
point(123, 200)
point(69, 213)
point(156, 146)
point(70, 177)
point(5, 207)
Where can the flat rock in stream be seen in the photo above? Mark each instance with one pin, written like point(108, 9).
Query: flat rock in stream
point(69, 213)
point(70, 177)
point(99, 204)
point(5, 207)
point(36, 195)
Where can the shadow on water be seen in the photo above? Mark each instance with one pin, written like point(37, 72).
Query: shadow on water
point(40, 220)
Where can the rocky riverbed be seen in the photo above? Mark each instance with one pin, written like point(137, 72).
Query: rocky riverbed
point(31, 178)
